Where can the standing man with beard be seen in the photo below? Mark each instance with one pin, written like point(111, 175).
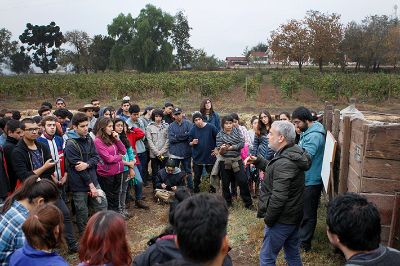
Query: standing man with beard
point(312, 139)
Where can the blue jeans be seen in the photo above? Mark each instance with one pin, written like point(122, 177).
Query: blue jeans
point(138, 184)
point(187, 168)
point(276, 237)
point(143, 166)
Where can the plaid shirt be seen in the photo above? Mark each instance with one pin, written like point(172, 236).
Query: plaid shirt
point(11, 235)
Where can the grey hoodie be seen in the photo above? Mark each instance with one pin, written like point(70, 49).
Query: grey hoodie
point(157, 137)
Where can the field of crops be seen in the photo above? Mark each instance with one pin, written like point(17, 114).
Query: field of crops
point(115, 85)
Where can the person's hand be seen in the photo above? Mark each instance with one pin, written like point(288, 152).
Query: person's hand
point(164, 186)
point(195, 141)
point(131, 175)
point(81, 166)
point(93, 192)
point(214, 153)
point(250, 160)
point(131, 164)
point(63, 179)
point(115, 135)
point(49, 164)
point(173, 188)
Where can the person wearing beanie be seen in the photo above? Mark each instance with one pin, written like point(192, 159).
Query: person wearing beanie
point(202, 138)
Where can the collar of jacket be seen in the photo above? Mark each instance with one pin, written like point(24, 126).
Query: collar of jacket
point(12, 140)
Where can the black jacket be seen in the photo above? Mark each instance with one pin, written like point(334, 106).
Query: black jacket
point(165, 252)
point(22, 161)
point(175, 179)
point(4, 183)
point(8, 148)
point(79, 181)
point(282, 191)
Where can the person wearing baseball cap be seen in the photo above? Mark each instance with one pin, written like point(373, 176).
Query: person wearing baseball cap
point(179, 147)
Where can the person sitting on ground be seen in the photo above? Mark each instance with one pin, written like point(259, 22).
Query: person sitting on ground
point(170, 177)
point(34, 191)
point(200, 224)
point(354, 226)
point(43, 231)
point(104, 241)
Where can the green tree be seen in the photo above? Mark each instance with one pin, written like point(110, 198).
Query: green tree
point(122, 28)
point(260, 47)
point(44, 40)
point(180, 39)
point(202, 61)
point(325, 36)
point(20, 62)
point(78, 56)
point(100, 52)
point(353, 43)
point(6, 45)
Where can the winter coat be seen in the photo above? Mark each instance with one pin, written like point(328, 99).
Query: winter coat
point(260, 147)
point(86, 152)
point(140, 143)
point(8, 149)
point(110, 157)
point(281, 195)
point(157, 138)
point(178, 136)
point(133, 136)
point(313, 141)
point(22, 161)
point(214, 120)
point(171, 180)
point(4, 182)
point(56, 147)
point(201, 152)
point(235, 139)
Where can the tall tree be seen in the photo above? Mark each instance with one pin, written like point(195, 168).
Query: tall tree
point(100, 51)
point(78, 56)
point(180, 39)
point(7, 47)
point(325, 36)
point(393, 45)
point(151, 49)
point(44, 40)
point(20, 62)
point(291, 42)
point(122, 28)
point(353, 43)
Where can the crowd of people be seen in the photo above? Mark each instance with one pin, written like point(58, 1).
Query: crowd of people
point(60, 166)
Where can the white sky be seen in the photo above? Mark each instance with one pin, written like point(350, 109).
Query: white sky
point(221, 27)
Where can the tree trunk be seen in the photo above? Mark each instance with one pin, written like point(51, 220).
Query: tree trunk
point(300, 66)
point(320, 64)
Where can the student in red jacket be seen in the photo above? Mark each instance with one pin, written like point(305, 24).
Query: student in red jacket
point(109, 170)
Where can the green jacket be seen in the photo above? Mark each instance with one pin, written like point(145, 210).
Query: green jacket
point(281, 193)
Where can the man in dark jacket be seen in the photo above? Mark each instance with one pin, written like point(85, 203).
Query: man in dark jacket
point(281, 196)
point(179, 147)
point(81, 161)
point(31, 157)
point(14, 134)
point(170, 177)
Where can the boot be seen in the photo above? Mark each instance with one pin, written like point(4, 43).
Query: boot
point(140, 204)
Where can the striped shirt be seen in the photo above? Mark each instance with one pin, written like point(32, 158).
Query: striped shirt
point(11, 235)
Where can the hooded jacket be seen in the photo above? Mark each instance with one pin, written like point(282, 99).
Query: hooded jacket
point(86, 152)
point(281, 195)
point(111, 157)
point(133, 136)
point(22, 161)
point(174, 179)
point(28, 256)
point(55, 145)
point(313, 141)
point(178, 136)
point(157, 139)
point(8, 149)
point(140, 146)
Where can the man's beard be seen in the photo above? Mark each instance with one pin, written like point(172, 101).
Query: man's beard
point(304, 129)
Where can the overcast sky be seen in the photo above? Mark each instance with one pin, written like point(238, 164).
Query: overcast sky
point(221, 27)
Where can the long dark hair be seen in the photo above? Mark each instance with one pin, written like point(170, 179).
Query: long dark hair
point(262, 128)
point(203, 106)
point(33, 187)
point(102, 123)
point(122, 135)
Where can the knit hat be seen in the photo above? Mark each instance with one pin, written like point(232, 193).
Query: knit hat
point(197, 115)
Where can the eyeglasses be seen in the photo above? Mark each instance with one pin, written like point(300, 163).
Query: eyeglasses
point(31, 130)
